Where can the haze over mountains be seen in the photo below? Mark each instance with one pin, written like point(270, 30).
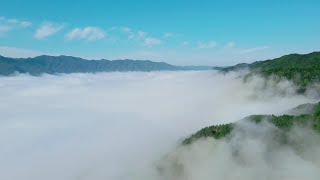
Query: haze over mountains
point(99, 123)
point(159, 90)
point(288, 66)
point(68, 64)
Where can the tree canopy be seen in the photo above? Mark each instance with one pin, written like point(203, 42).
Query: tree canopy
point(283, 122)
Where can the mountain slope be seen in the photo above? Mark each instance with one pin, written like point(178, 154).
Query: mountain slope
point(68, 64)
point(310, 118)
point(303, 69)
point(242, 150)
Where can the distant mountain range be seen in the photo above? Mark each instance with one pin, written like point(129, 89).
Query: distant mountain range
point(304, 66)
point(68, 64)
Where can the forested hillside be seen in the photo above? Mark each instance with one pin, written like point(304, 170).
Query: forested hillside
point(303, 69)
point(283, 122)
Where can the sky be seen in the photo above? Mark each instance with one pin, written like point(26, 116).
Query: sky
point(202, 32)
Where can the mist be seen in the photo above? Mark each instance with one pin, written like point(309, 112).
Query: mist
point(120, 125)
point(252, 151)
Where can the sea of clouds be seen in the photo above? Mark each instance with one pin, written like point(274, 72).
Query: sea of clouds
point(119, 125)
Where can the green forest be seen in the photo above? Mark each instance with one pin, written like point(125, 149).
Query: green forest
point(302, 69)
point(283, 122)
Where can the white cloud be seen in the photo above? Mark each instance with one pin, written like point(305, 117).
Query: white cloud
point(129, 32)
point(25, 24)
point(231, 45)
point(13, 21)
point(88, 33)
point(207, 45)
point(151, 41)
point(134, 35)
point(46, 30)
point(141, 35)
point(168, 34)
point(251, 50)
point(7, 25)
point(4, 28)
point(16, 22)
point(185, 43)
point(126, 30)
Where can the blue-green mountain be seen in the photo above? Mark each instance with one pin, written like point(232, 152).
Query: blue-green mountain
point(302, 69)
point(69, 64)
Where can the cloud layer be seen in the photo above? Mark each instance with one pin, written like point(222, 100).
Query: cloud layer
point(251, 152)
point(117, 125)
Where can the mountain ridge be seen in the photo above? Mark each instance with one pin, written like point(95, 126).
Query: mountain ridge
point(302, 69)
point(309, 118)
point(69, 64)
point(256, 64)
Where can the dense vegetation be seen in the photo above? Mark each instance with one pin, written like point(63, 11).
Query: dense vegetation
point(301, 69)
point(283, 122)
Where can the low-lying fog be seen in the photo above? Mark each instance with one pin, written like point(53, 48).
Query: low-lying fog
point(117, 125)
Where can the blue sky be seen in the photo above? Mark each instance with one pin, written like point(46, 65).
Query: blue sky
point(178, 32)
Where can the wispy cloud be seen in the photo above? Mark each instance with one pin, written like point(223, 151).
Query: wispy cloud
point(25, 24)
point(141, 36)
point(126, 30)
point(185, 43)
point(47, 29)
point(129, 32)
point(230, 44)
point(168, 34)
point(17, 22)
point(251, 50)
point(89, 33)
point(151, 41)
point(5, 28)
point(7, 25)
point(132, 34)
point(206, 45)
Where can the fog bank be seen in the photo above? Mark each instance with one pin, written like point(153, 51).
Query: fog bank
point(252, 151)
point(118, 125)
